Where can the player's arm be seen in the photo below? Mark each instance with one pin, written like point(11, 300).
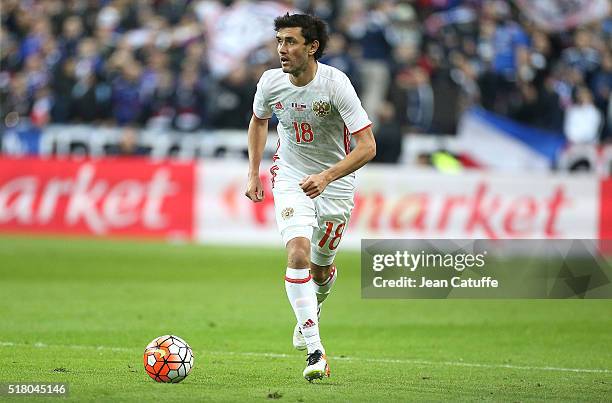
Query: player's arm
point(364, 151)
point(257, 136)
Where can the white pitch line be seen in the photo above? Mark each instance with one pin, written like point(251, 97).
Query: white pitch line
point(347, 359)
point(424, 362)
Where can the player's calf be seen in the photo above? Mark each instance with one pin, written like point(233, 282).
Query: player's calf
point(323, 284)
point(299, 341)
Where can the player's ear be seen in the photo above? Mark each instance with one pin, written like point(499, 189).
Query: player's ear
point(314, 46)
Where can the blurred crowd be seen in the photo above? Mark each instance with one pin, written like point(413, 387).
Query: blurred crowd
point(417, 65)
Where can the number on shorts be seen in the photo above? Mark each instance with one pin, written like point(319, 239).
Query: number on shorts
point(335, 240)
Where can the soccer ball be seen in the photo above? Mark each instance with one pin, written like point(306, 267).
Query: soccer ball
point(168, 359)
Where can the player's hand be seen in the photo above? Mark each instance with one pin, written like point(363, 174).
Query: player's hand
point(314, 185)
point(254, 189)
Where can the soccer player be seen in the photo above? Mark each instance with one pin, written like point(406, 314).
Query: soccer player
point(313, 172)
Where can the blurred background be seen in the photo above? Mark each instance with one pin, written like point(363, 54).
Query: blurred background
point(455, 87)
point(178, 67)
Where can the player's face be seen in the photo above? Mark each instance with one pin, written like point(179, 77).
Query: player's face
point(293, 51)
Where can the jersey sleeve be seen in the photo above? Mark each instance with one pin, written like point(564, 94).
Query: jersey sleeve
point(261, 108)
point(349, 106)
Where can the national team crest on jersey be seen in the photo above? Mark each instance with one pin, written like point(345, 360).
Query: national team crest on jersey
point(321, 108)
point(287, 213)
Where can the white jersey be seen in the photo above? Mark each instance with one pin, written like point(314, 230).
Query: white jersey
point(315, 124)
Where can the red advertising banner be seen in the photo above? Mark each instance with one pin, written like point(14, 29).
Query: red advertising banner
point(605, 216)
point(400, 202)
point(131, 197)
point(205, 201)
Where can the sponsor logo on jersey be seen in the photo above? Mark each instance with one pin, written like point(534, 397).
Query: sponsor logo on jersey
point(298, 106)
point(278, 106)
point(321, 108)
point(287, 213)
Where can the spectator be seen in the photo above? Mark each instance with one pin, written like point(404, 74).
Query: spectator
point(509, 42)
point(540, 57)
point(566, 79)
point(91, 100)
point(159, 109)
point(234, 100)
point(608, 134)
point(446, 107)
point(195, 54)
point(35, 38)
point(337, 55)
point(583, 119)
point(36, 73)
point(64, 80)
point(17, 102)
point(41, 107)
point(127, 105)
point(327, 10)
point(128, 144)
point(602, 83)
point(404, 26)
point(72, 33)
point(189, 102)
point(10, 57)
point(88, 59)
point(372, 33)
point(405, 56)
point(388, 135)
point(412, 95)
point(509, 39)
point(156, 63)
point(582, 56)
point(464, 74)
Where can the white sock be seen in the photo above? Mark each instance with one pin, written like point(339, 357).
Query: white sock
point(324, 289)
point(303, 300)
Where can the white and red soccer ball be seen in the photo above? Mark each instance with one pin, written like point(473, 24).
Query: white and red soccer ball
point(168, 359)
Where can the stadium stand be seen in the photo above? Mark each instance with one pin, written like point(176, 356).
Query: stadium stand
point(160, 66)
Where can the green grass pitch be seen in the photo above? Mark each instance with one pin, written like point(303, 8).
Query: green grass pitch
point(82, 311)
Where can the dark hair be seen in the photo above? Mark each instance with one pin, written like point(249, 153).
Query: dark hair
point(313, 29)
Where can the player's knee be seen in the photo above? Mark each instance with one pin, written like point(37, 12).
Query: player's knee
point(320, 274)
point(298, 258)
point(298, 253)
